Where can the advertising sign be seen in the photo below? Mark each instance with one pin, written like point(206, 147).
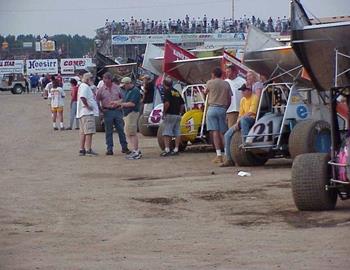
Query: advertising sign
point(27, 44)
point(176, 38)
point(69, 65)
point(11, 66)
point(38, 46)
point(48, 46)
point(42, 66)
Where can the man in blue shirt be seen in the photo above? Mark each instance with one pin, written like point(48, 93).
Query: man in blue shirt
point(131, 109)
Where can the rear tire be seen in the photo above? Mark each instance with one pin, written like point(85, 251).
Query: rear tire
point(310, 136)
point(144, 129)
point(182, 146)
point(310, 175)
point(242, 157)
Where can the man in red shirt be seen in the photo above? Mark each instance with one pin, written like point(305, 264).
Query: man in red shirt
point(108, 98)
point(73, 104)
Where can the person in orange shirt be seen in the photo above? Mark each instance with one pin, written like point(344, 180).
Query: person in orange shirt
point(246, 119)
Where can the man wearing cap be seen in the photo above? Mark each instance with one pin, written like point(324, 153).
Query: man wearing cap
point(131, 109)
point(235, 82)
point(246, 118)
point(87, 110)
point(107, 98)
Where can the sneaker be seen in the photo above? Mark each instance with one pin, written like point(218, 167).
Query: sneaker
point(227, 163)
point(77, 128)
point(68, 128)
point(126, 151)
point(109, 153)
point(165, 154)
point(173, 153)
point(82, 152)
point(134, 155)
point(91, 153)
point(55, 128)
point(217, 159)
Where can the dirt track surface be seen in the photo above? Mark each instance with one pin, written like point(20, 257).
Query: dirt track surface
point(61, 211)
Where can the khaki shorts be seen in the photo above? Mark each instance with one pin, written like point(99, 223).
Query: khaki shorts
point(131, 123)
point(57, 109)
point(87, 124)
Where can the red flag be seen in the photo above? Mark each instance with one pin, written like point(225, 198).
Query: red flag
point(173, 52)
point(229, 59)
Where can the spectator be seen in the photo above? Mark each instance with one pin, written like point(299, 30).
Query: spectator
point(247, 113)
point(173, 109)
point(219, 96)
point(131, 109)
point(59, 79)
point(235, 83)
point(73, 104)
point(56, 96)
point(45, 82)
point(48, 86)
point(252, 82)
point(194, 26)
point(87, 110)
point(148, 94)
point(108, 98)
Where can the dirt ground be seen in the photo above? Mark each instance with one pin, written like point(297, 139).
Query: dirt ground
point(62, 211)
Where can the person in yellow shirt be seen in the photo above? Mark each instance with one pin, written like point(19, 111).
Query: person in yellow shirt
point(246, 119)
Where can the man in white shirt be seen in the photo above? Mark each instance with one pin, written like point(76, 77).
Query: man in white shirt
point(87, 110)
point(235, 82)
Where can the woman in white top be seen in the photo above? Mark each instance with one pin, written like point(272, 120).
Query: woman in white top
point(56, 96)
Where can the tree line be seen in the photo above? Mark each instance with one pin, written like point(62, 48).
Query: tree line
point(66, 45)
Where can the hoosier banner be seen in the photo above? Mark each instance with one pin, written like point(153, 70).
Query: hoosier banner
point(69, 65)
point(42, 66)
point(11, 66)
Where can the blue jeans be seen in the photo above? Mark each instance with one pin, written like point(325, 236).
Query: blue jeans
point(73, 115)
point(245, 124)
point(114, 118)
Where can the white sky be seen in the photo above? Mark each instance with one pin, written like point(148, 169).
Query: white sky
point(84, 16)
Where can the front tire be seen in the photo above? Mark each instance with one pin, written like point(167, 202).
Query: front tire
point(310, 175)
point(240, 156)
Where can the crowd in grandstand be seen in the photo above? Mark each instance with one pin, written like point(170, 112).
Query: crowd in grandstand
point(199, 25)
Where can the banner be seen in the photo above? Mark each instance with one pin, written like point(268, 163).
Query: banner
point(48, 46)
point(27, 44)
point(11, 66)
point(229, 59)
point(176, 38)
point(69, 65)
point(42, 66)
point(172, 52)
point(37, 46)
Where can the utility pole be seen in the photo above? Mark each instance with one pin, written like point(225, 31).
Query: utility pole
point(233, 10)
